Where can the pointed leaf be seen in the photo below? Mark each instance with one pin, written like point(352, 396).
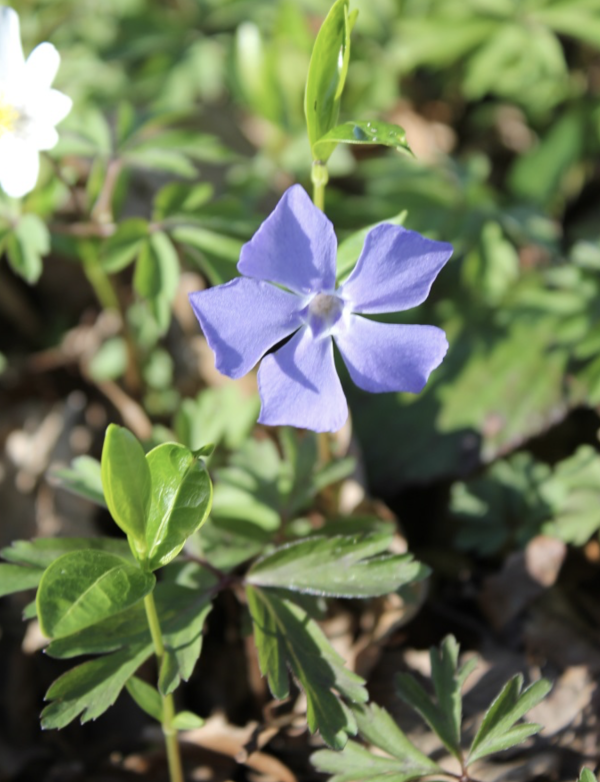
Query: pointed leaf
point(285, 635)
point(14, 578)
point(187, 720)
point(326, 76)
point(41, 552)
point(341, 566)
point(146, 697)
point(90, 689)
point(82, 478)
point(447, 684)
point(157, 275)
point(587, 776)
point(85, 587)
point(377, 727)
point(373, 132)
point(358, 764)
point(127, 484)
point(123, 246)
point(181, 499)
point(510, 705)
point(411, 692)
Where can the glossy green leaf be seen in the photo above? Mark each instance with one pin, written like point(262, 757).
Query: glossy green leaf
point(285, 636)
point(124, 245)
point(327, 75)
point(497, 730)
point(83, 478)
point(181, 499)
point(365, 132)
point(14, 578)
point(181, 612)
point(26, 245)
point(146, 697)
point(127, 484)
point(91, 688)
point(587, 775)
point(341, 566)
point(85, 587)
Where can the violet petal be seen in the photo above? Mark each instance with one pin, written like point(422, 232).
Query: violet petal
point(390, 357)
point(299, 386)
point(243, 319)
point(395, 270)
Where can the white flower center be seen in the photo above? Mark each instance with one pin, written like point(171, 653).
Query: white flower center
point(324, 311)
point(9, 116)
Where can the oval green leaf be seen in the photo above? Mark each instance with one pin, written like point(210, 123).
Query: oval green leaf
point(181, 500)
point(126, 483)
point(367, 132)
point(82, 588)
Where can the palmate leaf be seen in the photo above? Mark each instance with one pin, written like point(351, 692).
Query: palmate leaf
point(340, 566)
point(82, 588)
point(91, 688)
point(498, 730)
point(286, 637)
point(126, 637)
point(443, 717)
point(358, 764)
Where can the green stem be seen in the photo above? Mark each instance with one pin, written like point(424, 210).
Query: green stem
point(168, 704)
point(99, 279)
point(319, 177)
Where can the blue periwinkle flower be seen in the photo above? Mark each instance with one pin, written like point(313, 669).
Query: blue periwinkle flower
point(288, 289)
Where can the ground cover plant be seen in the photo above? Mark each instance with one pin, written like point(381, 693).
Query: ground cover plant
point(299, 385)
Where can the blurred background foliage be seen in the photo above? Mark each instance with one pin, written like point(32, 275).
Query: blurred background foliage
point(188, 125)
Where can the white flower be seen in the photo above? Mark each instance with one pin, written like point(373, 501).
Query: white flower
point(29, 108)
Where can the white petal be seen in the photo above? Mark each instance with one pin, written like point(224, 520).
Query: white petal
point(49, 106)
point(19, 166)
point(12, 61)
point(41, 66)
point(41, 135)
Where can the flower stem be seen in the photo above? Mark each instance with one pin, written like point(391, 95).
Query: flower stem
point(319, 177)
point(168, 704)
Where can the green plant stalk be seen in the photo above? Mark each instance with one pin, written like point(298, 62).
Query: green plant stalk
point(100, 282)
point(319, 177)
point(168, 704)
